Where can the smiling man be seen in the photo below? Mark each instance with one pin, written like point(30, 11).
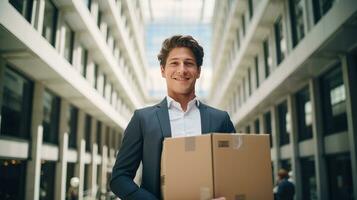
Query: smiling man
point(178, 114)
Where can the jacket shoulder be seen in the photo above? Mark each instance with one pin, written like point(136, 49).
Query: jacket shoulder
point(215, 111)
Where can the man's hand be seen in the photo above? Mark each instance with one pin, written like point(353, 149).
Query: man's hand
point(220, 198)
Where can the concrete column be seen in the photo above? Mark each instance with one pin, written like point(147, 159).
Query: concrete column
point(294, 144)
point(61, 168)
point(275, 139)
point(317, 129)
point(103, 165)
point(33, 173)
point(93, 165)
point(79, 169)
point(349, 70)
point(38, 11)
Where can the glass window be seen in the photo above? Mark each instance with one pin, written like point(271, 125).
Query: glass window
point(16, 105)
point(297, 20)
point(47, 180)
point(247, 129)
point(286, 164)
point(69, 44)
point(86, 179)
point(98, 134)
point(268, 127)
point(95, 78)
point(87, 132)
point(340, 176)
point(71, 192)
point(284, 123)
point(72, 124)
point(256, 64)
point(268, 61)
point(12, 179)
point(280, 40)
point(50, 123)
point(257, 126)
point(24, 7)
point(251, 9)
point(243, 24)
point(334, 101)
point(249, 81)
point(99, 19)
point(237, 39)
point(84, 62)
point(308, 178)
point(304, 114)
point(50, 22)
point(321, 7)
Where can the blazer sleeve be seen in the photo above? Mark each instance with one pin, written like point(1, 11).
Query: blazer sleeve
point(229, 125)
point(127, 163)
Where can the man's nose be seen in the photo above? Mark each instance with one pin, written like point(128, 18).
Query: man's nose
point(182, 67)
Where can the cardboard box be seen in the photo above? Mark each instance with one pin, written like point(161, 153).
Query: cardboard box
point(235, 166)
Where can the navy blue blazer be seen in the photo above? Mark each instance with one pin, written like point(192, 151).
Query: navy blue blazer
point(142, 141)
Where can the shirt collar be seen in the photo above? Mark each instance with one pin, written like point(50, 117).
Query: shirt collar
point(170, 102)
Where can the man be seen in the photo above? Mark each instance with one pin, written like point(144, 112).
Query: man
point(285, 188)
point(179, 114)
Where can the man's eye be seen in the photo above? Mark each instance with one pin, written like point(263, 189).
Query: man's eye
point(174, 63)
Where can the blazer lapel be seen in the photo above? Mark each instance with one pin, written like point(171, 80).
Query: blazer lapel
point(163, 116)
point(205, 118)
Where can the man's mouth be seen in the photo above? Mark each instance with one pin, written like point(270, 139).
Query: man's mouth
point(181, 78)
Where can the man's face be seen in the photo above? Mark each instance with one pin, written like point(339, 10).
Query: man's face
point(180, 72)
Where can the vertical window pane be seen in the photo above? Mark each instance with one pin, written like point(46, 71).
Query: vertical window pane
point(24, 7)
point(72, 124)
point(47, 180)
point(249, 81)
point(257, 126)
point(87, 132)
point(297, 20)
point(268, 61)
point(98, 134)
point(268, 127)
point(251, 7)
point(308, 178)
point(84, 62)
point(69, 44)
point(50, 22)
point(304, 114)
point(71, 192)
point(280, 40)
point(334, 101)
point(284, 123)
point(16, 105)
point(256, 64)
point(340, 176)
point(321, 7)
point(12, 179)
point(50, 122)
point(243, 24)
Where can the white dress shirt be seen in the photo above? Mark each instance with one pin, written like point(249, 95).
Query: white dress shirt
point(184, 123)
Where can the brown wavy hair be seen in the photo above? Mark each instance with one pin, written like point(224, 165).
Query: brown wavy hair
point(181, 41)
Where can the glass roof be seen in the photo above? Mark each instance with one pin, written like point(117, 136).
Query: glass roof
point(178, 11)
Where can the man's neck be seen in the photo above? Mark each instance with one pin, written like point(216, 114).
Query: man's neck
point(183, 99)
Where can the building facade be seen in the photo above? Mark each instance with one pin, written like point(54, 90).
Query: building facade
point(288, 68)
point(71, 74)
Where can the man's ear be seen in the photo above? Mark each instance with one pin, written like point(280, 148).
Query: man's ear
point(199, 72)
point(162, 68)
